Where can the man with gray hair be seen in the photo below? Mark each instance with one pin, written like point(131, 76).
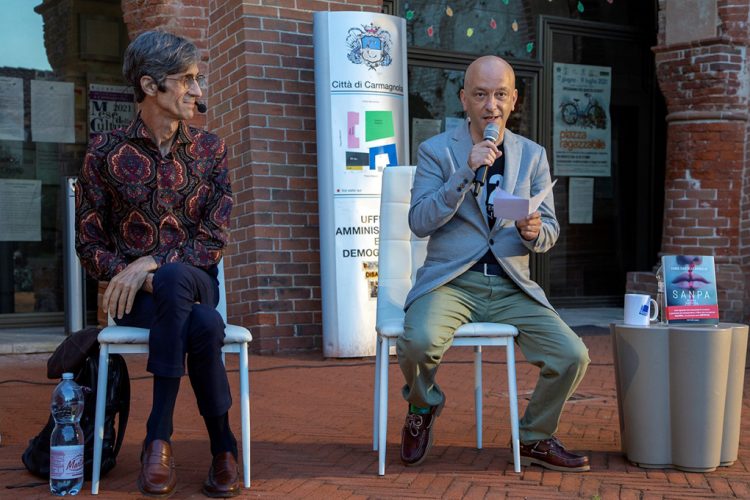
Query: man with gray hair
point(152, 211)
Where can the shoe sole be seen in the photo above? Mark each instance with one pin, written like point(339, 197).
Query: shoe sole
point(228, 494)
point(531, 461)
point(154, 495)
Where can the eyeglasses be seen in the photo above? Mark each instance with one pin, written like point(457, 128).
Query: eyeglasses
point(187, 81)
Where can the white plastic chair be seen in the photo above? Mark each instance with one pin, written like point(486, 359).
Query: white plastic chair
point(130, 340)
point(401, 254)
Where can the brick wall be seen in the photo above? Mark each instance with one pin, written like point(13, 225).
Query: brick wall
point(262, 75)
point(259, 59)
point(706, 201)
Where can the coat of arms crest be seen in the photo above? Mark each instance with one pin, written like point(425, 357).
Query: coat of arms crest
point(369, 45)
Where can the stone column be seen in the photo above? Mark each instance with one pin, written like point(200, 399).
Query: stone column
point(703, 73)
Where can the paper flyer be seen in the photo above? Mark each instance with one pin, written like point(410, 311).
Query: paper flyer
point(52, 113)
point(512, 207)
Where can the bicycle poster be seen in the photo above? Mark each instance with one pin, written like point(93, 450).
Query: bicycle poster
point(582, 128)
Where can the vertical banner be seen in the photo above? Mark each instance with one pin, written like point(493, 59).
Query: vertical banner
point(362, 112)
point(581, 124)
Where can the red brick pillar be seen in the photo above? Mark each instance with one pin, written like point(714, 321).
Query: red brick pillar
point(262, 79)
point(706, 211)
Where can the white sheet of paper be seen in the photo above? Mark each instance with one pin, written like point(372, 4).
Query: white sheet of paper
point(52, 113)
point(512, 207)
point(11, 109)
point(20, 210)
point(580, 200)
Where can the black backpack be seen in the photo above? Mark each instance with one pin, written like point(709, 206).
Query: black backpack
point(117, 407)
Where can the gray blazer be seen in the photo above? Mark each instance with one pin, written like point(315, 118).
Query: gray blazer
point(443, 208)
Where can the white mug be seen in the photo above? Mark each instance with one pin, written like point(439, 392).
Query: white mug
point(640, 309)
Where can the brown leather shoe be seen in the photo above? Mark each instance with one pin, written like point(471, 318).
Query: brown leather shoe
point(158, 477)
point(223, 477)
point(416, 437)
point(551, 454)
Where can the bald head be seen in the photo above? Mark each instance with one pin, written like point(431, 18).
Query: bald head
point(488, 65)
point(489, 95)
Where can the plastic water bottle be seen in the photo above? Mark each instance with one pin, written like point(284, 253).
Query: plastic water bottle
point(66, 442)
point(660, 296)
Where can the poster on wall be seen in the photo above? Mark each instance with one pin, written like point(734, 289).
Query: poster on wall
point(11, 109)
point(361, 121)
point(52, 118)
point(110, 107)
point(581, 200)
point(581, 121)
point(20, 210)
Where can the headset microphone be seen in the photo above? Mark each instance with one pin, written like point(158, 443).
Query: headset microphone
point(491, 133)
point(201, 106)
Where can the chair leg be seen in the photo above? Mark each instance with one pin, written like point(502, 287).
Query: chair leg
point(376, 396)
point(478, 393)
point(513, 397)
point(382, 405)
point(101, 390)
point(245, 412)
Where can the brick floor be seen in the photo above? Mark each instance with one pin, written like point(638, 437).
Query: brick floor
point(311, 435)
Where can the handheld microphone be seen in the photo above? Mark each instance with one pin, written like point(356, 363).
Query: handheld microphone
point(491, 133)
point(201, 107)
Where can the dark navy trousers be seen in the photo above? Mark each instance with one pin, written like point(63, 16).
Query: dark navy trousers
point(183, 321)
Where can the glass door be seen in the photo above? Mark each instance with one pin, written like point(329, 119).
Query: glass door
point(620, 228)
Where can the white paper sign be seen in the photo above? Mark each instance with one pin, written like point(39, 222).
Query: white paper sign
point(580, 200)
point(52, 118)
point(581, 122)
point(512, 207)
point(20, 210)
point(11, 109)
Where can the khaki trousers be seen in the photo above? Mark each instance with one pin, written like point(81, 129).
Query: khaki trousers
point(545, 340)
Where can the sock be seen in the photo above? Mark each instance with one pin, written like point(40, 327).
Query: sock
point(159, 425)
point(220, 435)
point(419, 410)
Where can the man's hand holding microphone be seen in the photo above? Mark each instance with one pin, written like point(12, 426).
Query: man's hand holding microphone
point(483, 155)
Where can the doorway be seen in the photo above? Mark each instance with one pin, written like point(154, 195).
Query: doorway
point(589, 263)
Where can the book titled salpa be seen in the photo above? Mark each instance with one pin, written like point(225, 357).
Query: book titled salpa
point(690, 289)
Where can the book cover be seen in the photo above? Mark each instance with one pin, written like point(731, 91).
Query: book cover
point(690, 289)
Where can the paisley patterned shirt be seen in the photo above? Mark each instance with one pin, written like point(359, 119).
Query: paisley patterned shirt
point(131, 201)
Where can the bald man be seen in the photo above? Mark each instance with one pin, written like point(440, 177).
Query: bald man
point(477, 268)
